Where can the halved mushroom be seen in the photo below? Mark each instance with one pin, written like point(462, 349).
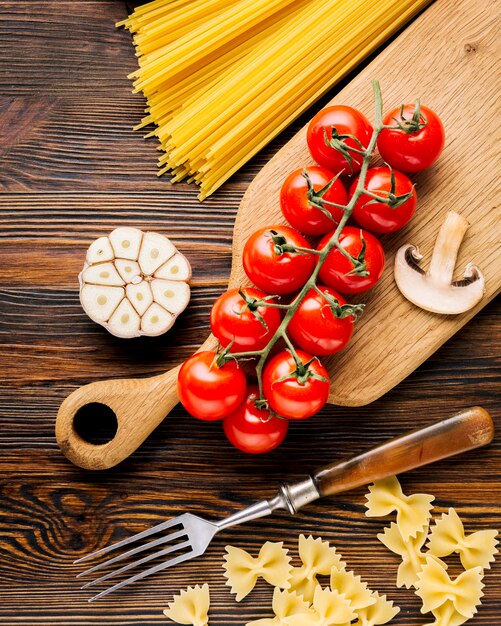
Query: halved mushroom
point(124, 286)
point(435, 290)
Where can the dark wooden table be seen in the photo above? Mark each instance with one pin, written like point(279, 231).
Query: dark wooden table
point(71, 169)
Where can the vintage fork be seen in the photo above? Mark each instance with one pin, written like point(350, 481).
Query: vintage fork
point(191, 535)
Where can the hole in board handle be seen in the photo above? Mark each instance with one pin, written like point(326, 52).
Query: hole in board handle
point(95, 423)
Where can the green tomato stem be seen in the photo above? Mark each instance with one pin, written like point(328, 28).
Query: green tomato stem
point(311, 283)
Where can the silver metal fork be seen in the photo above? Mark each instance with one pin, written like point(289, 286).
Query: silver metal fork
point(188, 536)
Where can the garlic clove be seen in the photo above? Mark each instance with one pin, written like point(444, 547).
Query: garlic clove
point(99, 301)
point(99, 251)
point(155, 250)
point(172, 295)
point(102, 274)
point(128, 270)
point(176, 268)
point(140, 296)
point(124, 322)
point(156, 320)
point(126, 242)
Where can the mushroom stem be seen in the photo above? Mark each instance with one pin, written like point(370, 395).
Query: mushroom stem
point(445, 252)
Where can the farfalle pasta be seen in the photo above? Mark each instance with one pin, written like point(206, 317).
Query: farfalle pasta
point(330, 609)
point(448, 536)
point(451, 601)
point(381, 611)
point(191, 606)
point(352, 588)
point(285, 604)
point(318, 558)
point(242, 570)
point(413, 512)
point(413, 558)
point(435, 588)
point(446, 615)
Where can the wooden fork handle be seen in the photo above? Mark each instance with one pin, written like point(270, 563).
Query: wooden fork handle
point(467, 430)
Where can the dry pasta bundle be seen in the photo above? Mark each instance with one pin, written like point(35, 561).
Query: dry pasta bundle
point(223, 77)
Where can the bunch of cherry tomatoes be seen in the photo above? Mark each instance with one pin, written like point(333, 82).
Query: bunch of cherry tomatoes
point(280, 261)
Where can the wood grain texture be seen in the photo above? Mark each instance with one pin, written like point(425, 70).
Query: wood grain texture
point(59, 191)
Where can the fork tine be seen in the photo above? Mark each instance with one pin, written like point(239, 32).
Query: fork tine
point(143, 574)
point(145, 533)
point(141, 548)
point(146, 559)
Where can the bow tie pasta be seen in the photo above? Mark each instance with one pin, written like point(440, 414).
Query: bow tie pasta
point(413, 558)
point(448, 536)
point(191, 606)
point(242, 570)
point(285, 604)
point(413, 512)
point(318, 557)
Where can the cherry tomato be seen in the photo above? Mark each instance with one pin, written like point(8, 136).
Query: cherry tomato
point(242, 320)
point(409, 150)
point(319, 326)
point(300, 193)
point(329, 128)
point(378, 216)
point(254, 430)
point(271, 266)
point(207, 391)
point(337, 270)
point(292, 393)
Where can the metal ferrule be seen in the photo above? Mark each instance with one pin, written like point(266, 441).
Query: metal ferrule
point(299, 494)
point(290, 497)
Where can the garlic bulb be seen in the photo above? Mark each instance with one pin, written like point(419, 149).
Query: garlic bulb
point(134, 283)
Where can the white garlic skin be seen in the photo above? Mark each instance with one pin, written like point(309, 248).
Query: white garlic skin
point(132, 289)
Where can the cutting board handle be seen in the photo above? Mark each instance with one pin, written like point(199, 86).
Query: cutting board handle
point(136, 406)
point(139, 406)
point(467, 430)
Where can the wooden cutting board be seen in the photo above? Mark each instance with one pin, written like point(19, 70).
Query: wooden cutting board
point(429, 60)
point(447, 57)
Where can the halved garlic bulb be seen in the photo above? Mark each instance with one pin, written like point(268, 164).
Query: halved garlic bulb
point(134, 283)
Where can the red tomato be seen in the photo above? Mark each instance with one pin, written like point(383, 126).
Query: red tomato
point(319, 327)
point(411, 150)
point(378, 216)
point(269, 264)
point(242, 321)
point(305, 188)
point(207, 391)
point(337, 269)
point(300, 394)
point(330, 135)
point(254, 430)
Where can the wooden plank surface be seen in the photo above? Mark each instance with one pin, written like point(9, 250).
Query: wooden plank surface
point(70, 169)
